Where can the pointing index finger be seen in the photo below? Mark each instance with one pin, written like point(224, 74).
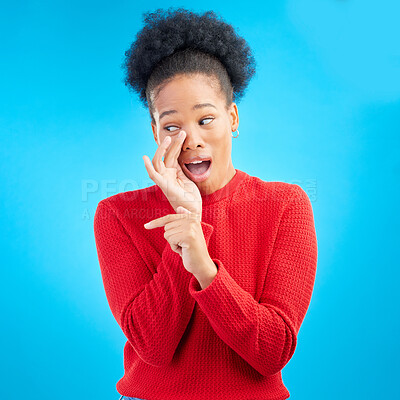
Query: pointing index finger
point(156, 223)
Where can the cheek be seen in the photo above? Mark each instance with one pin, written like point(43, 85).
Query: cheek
point(222, 143)
point(221, 132)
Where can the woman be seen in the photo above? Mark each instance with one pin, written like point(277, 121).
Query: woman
point(212, 291)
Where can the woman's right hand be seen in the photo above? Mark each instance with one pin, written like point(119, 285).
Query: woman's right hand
point(169, 177)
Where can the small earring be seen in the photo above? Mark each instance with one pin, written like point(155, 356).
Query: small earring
point(237, 130)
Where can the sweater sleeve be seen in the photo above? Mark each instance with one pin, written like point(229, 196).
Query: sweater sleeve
point(264, 333)
point(153, 310)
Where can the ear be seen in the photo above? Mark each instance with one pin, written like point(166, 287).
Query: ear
point(154, 128)
point(234, 116)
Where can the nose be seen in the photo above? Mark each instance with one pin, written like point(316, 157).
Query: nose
point(192, 140)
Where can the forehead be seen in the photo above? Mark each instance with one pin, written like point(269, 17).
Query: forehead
point(187, 90)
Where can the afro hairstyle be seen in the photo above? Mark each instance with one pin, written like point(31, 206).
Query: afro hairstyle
point(181, 41)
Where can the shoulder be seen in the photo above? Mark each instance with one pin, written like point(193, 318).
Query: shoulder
point(257, 190)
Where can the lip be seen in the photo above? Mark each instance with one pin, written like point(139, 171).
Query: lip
point(197, 158)
point(198, 178)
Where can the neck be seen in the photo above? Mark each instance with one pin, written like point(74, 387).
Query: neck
point(209, 188)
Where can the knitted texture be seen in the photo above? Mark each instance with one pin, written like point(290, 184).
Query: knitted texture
point(231, 339)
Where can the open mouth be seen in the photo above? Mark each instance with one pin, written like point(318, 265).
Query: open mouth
point(198, 168)
point(198, 171)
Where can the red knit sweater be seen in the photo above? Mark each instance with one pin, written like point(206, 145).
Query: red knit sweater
point(231, 339)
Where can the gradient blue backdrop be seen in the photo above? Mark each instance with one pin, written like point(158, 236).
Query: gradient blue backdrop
point(323, 111)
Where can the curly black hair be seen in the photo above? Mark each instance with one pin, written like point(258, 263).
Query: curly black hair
point(181, 41)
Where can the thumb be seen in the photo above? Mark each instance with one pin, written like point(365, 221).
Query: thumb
point(182, 210)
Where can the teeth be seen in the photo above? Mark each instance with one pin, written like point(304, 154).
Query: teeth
point(196, 162)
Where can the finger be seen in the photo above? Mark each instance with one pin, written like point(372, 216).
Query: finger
point(159, 154)
point(175, 239)
point(156, 223)
point(182, 210)
point(171, 156)
point(153, 174)
point(176, 249)
point(172, 232)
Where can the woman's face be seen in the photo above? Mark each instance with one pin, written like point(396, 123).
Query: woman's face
point(195, 104)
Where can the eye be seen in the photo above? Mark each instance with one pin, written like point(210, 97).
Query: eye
point(171, 126)
point(206, 119)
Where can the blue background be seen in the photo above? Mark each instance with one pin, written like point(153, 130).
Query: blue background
point(323, 111)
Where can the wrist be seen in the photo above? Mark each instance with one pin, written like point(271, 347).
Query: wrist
point(207, 275)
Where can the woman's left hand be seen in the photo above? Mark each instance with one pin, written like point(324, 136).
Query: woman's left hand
point(184, 233)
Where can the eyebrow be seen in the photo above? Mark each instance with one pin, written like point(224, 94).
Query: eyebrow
point(195, 107)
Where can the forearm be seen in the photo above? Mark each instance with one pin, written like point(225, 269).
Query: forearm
point(156, 319)
point(264, 331)
point(209, 273)
point(147, 294)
